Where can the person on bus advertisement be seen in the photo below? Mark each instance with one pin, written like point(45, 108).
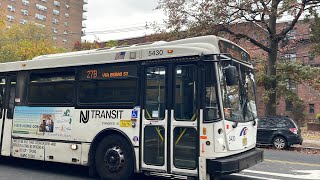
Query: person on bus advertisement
point(47, 123)
point(42, 126)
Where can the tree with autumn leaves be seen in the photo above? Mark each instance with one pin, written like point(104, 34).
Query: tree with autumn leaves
point(23, 42)
point(255, 21)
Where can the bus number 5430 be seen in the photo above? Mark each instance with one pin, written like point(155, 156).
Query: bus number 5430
point(156, 53)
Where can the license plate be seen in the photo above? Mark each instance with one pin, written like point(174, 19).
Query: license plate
point(125, 123)
point(244, 141)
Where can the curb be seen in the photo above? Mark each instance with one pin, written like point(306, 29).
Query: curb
point(306, 147)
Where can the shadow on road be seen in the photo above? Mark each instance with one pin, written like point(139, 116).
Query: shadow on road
point(52, 169)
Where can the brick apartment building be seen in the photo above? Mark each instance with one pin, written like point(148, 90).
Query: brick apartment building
point(296, 48)
point(64, 18)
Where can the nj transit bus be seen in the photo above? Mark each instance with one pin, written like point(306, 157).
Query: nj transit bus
point(180, 109)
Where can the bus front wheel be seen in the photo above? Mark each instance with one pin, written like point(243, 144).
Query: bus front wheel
point(114, 158)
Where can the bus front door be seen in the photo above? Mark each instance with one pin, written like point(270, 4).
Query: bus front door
point(7, 95)
point(169, 119)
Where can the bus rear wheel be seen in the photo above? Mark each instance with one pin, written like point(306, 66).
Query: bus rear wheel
point(114, 158)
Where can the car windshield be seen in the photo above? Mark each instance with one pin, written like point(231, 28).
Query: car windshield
point(239, 99)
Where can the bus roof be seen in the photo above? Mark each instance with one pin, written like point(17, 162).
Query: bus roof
point(157, 50)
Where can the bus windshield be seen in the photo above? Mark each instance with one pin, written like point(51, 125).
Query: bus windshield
point(239, 99)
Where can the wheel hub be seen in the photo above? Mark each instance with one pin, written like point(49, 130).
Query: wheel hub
point(114, 159)
point(279, 143)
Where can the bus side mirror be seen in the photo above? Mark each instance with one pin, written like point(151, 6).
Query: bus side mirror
point(231, 75)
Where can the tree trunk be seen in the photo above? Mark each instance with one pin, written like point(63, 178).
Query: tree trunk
point(270, 86)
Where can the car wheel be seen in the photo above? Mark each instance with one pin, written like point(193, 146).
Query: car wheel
point(114, 158)
point(279, 142)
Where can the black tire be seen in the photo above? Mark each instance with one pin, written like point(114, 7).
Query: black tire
point(114, 158)
point(279, 142)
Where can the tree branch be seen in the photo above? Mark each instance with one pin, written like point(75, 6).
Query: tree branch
point(244, 36)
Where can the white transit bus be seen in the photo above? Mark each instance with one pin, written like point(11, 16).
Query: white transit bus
point(180, 109)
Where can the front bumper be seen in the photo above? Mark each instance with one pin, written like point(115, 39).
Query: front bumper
point(234, 164)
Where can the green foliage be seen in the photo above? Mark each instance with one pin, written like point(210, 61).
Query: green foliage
point(112, 44)
point(315, 35)
point(80, 46)
point(23, 42)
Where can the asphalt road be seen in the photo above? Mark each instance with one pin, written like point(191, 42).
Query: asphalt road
point(278, 165)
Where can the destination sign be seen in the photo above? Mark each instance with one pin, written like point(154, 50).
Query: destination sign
point(108, 71)
point(234, 51)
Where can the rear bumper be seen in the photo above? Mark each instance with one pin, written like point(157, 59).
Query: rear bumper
point(295, 139)
point(234, 164)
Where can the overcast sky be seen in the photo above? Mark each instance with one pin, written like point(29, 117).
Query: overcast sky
point(111, 19)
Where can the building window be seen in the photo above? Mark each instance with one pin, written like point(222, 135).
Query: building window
point(54, 30)
point(23, 21)
point(290, 57)
point(292, 34)
point(10, 18)
point(311, 108)
point(40, 25)
point(289, 106)
point(56, 12)
point(66, 23)
point(56, 3)
point(40, 16)
point(67, 6)
point(41, 7)
point(25, 2)
point(311, 56)
point(11, 8)
point(291, 85)
point(66, 15)
point(44, 0)
point(12, 0)
point(24, 12)
point(65, 32)
point(64, 41)
point(55, 21)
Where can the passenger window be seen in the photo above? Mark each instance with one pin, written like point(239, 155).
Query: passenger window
point(262, 123)
point(185, 93)
point(52, 88)
point(155, 93)
point(271, 123)
point(107, 84)
point(281, 123)
point(116, 92)
point(12, 96)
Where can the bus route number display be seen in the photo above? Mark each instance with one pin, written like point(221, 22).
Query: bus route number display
point(105, 72)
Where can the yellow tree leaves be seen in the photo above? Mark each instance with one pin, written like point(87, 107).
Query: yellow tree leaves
point(23, 42)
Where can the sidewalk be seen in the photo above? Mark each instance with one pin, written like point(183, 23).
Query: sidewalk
point(309, 144)
point(311, 139)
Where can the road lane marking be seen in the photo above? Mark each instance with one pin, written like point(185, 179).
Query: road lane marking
point(255, 177)
point(308, 174)
point(290, 162)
